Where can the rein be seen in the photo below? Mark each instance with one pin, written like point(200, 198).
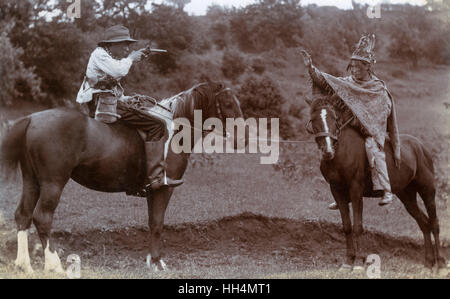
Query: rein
point(331, 135)
point(218, 109)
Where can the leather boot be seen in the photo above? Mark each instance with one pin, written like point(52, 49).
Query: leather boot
point(387, 198)
point(156, 170)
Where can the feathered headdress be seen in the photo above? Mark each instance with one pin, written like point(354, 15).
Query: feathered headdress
point(364, 49)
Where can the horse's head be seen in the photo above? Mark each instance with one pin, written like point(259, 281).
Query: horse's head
point(220, 102)
point(324, 126)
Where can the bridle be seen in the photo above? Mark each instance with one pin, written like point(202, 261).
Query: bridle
point(339, 129)
point(219, 109)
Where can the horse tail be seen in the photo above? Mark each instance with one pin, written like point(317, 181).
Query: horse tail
point(12, 144)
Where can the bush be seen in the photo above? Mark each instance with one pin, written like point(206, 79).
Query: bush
point(261, 98)
point(233, 64)
point(17, 81)
point(171, 29)
point(219, 34)
point(296, 110)
point(258, 66)
point(398, 73)
point(59, 52)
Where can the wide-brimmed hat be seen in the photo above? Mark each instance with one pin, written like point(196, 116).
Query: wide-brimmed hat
point(364, 49)
point(116, 34)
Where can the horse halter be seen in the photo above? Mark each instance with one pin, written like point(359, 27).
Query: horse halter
point(326, 134)
point(329, 134)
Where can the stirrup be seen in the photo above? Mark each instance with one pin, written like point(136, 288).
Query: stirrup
point(333, 206)
point(160, 182)
point(173, 183)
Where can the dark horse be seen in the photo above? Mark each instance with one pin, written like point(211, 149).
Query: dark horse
point(55, 145)
point(346, 168)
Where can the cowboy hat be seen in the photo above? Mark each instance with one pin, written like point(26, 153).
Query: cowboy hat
point(116, 34)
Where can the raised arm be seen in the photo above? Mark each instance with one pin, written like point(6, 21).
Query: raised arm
point(116, 68)
point(316, 75)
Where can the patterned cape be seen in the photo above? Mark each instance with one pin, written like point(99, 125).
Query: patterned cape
point(370, 101)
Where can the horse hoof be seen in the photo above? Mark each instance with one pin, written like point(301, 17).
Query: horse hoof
point(160, 265)
point(24, 268)
point(345, 268)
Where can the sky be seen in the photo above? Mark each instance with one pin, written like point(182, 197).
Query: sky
point(199, 7)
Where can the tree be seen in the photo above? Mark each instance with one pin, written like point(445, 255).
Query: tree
point(172, 30)
point(257, 27)
point(233, 64)
point(180, 4)
point(17, 81)
point(260, 97)
point(59, 53)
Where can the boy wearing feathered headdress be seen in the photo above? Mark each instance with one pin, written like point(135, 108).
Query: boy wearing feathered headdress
point(371, 103)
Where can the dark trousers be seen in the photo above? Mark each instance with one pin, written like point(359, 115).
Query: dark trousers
point(154, 128)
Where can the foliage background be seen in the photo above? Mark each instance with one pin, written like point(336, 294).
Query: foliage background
point(253, 50)
point(44, 58)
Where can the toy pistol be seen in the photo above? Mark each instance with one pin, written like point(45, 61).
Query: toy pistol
point(149, 50)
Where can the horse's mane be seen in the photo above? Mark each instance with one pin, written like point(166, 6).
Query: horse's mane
point(197, 97)
point(342, 110)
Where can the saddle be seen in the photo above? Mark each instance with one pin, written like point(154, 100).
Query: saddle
point(106, 110)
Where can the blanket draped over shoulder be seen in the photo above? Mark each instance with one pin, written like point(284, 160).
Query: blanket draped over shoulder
point(370, 101)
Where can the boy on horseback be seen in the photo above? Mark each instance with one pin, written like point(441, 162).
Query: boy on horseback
point(372, 105)
point(107, 64)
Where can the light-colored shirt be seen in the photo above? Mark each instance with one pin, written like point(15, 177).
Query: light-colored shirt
point(100, 65)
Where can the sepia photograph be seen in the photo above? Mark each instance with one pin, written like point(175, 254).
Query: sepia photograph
point(199, 142)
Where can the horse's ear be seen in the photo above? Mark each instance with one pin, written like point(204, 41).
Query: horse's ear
point(308, 101)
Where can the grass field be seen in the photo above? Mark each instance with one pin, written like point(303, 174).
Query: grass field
point(236, 218)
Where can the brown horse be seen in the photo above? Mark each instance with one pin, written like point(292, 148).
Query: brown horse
point(55, 145)
point(346, 168)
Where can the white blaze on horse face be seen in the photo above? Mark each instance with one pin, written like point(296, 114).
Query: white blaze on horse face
point(23, 256)
point(323, 115)
point(52, 261)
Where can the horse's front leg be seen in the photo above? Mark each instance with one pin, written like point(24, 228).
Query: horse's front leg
point(356, 193)
point(157, 203)
point(341, 197)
